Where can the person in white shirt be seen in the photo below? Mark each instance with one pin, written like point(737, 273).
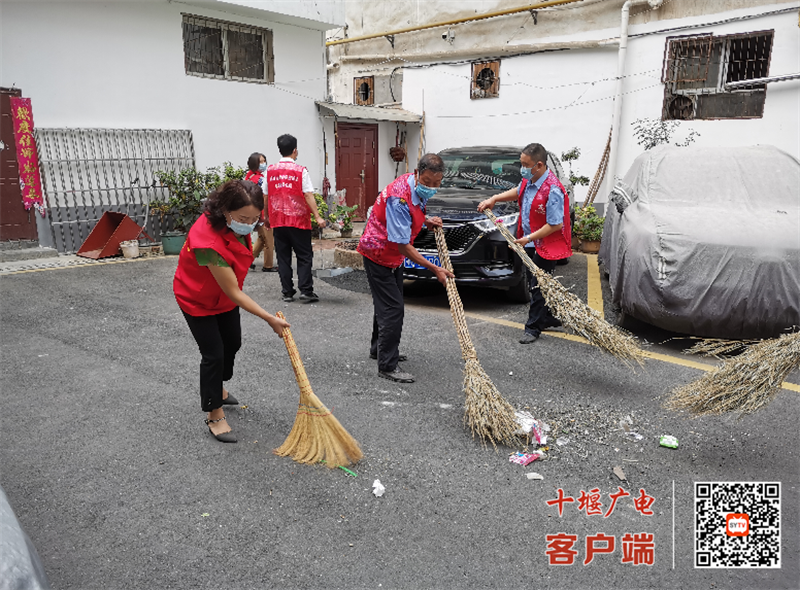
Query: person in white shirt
point(291, 204)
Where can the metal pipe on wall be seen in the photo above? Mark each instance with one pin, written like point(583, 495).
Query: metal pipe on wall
point(623, 49)
point(536, 6)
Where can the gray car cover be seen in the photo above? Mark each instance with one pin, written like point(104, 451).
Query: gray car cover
point(706, 241)
point(20, 567)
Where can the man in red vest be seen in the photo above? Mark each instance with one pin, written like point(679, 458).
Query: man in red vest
point(291, 204)
point(397, 217)
point(543, 228)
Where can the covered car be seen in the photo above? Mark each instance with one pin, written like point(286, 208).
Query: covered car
point(20, 566)
point(706, 241)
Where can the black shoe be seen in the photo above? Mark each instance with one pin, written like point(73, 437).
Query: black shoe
point(253, 266)
point(401, 358)
point(230, 401)
point(397, 376)
point(226, 437)
point(269, 269)
point(562, 262)
point(288, 298)
point(308, 298)
point(529, 338)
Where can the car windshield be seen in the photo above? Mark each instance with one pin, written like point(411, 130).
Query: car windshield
point(478, 171)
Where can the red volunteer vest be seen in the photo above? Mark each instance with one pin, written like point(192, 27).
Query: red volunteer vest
point(196, 290)
point(374, 243)
point(557, 245)
point(258, 178)
point(287, 205)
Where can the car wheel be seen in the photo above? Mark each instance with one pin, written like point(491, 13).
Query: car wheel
point(519, 293)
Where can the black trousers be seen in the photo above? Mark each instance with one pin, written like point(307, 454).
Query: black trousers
point(386, 285)
point(539, 315)
point(219, 338)
point(288, 239)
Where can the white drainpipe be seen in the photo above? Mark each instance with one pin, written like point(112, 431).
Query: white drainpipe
point(623, 48)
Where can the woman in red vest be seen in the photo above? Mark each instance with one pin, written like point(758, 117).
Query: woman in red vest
point(208, 288)
point(257, 166)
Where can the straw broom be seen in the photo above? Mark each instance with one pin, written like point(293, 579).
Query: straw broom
point(572, 312)
point(742, 384)
point(316, 435)
point(487, 412)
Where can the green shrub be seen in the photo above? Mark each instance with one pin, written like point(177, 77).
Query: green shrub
point(188, 188)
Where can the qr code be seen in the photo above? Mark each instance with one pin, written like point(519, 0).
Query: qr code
point(737, 524)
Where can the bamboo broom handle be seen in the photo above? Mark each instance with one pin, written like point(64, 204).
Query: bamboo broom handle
point(294, 356)
point(456, 306)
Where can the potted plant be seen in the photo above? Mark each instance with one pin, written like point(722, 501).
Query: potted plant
point(576, 179)
point(187, 189)
point(344, 216)
point(589, 229)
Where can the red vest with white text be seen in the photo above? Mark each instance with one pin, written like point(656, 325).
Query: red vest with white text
point(287, 205)
point(196, 290)
point(557, 245)
point(374, 243)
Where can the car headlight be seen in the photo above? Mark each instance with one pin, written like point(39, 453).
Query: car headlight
point(487, 226)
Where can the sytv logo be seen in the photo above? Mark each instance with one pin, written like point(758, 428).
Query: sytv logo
point(737, 525)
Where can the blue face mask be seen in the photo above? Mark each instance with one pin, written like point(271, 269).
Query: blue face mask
point(526, 173)
point(262, 167)
point(240, 228)
point(425, 192)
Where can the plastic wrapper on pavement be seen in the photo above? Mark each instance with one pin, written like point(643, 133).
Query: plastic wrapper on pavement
point(706, 241)
point(20, 566)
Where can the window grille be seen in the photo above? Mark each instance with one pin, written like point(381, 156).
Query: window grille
point(364, 90)
point(227, 51)
point(485, 80)
point(697, 68)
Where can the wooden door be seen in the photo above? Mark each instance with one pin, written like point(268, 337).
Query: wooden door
point(15, 222)
point(357, 165)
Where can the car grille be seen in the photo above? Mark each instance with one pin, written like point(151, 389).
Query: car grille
point(458, 238)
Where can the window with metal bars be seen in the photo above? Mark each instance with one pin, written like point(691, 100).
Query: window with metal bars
point(227, 51)
point(698, 68)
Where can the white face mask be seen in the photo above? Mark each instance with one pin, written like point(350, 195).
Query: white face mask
point(262, 167)
point(240, 228)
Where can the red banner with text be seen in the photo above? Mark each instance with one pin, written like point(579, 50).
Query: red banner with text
point(27, 158)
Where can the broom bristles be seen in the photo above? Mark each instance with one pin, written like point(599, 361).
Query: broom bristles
point(316, 434)
point(572, 312)
point(489, 415)
point(742, 384)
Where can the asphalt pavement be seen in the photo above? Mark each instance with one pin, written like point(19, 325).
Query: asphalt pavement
point(108, 465)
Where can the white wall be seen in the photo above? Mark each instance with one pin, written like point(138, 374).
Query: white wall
point(121, 65)
point(565, 98)
point(534, 91)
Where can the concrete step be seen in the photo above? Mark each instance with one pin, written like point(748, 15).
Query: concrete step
point(18, 244)
point(15, 254)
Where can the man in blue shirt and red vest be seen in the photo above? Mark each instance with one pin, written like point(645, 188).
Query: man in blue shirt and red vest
point(291, 204)
point(397, 217)
point(543, 228)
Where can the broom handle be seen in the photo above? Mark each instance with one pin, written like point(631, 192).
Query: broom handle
point(456, 306)
point(294, 356)
point(526, 260)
